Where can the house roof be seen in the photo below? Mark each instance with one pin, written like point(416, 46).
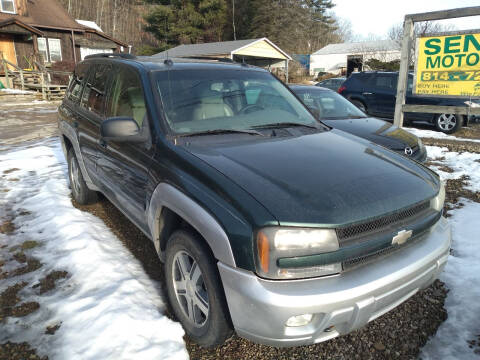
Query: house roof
point(358, 47)
point(12, 21)
point(215, 48)
point(105, 36)
point(45, 14)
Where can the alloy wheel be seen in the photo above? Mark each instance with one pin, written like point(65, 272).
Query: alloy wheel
point(74, 176)
point(447, 122)
point(190, 289)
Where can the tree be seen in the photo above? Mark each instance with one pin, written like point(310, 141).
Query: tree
point(420, 29)
point(122, 19)
point(175, 22)
point(298, 26)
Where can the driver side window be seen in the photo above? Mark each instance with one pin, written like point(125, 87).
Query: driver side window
point(126, 96)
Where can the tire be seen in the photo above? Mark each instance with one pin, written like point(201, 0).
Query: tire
point(206, 320)
point(80, 191)
point(359, 105)
point(448, 123)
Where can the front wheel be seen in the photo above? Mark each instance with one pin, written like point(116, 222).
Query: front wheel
point(195, 290)
point(448, 123)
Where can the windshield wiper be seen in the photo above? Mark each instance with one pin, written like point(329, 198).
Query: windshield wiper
point(283, 124)
point(221, 131)
point(348, 117)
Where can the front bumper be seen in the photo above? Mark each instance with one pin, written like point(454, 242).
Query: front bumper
point(259, 308)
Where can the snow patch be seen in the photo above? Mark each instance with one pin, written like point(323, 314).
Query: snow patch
point(16, 91)
point(90, 24)
point(462, 163)
point(108, 307)
point(463, 281)
point(436, 135)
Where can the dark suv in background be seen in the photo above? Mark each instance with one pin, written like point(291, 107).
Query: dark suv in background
point(268, 222)
point(375, 93)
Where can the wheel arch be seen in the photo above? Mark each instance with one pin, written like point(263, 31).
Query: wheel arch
point(68, 137)
point(171, 209)
point(359, 99)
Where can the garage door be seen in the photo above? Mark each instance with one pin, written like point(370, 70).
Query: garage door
point(85, 51)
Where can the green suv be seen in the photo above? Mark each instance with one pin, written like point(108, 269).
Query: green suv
point(270, 223)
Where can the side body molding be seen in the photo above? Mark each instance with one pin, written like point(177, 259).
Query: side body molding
point(69, 132)
point(166, 195)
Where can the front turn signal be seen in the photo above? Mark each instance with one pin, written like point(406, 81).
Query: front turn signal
point(263, 251)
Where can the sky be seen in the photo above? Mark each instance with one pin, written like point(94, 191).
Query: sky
point(375, 17)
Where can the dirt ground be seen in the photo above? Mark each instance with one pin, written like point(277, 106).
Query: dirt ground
point(26, 122)
point(398, 334)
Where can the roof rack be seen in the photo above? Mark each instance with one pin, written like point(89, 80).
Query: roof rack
point(111, 55)
point(219, 59)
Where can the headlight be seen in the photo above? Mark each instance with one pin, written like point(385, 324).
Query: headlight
point(437, 202)
point(275, 243)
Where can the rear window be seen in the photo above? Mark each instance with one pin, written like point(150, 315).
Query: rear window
point(93, 97)
point(386, 81)
point(328, 104)
point(357, 80)
point(76, 84)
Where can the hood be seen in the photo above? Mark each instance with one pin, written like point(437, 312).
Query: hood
point(377, 131)
point(319, 179)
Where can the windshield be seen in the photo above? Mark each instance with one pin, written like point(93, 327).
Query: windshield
point(200, 101)
point(328, 104)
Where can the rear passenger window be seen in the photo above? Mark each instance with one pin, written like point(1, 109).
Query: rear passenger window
point(389, 82)
point(93, 97)
point(76, 84)
point(126, 96)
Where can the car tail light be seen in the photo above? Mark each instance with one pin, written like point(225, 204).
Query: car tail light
point(341, 89)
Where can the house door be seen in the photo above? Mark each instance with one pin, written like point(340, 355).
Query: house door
point(7, 48)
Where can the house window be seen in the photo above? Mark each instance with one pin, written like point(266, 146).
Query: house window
point(7, 6)
point(54, 47)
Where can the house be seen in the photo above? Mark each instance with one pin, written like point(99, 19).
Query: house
point(42, 30)
point(259, 52)
point(348, 57)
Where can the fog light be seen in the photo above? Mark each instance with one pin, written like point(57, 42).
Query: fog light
point(299, 320)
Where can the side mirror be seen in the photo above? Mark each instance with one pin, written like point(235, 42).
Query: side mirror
point(121, 129)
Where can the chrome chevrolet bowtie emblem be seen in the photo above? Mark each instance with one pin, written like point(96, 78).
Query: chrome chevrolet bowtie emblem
point(402, 237)
point(408, 151)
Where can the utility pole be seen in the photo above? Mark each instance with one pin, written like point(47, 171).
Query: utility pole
point(233, 20)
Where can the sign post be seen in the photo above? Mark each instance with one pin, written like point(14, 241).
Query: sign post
point(445, 65)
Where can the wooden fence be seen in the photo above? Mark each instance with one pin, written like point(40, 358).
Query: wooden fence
point(37, 80)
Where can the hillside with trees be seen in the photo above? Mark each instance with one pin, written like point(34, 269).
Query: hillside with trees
point(298, 26)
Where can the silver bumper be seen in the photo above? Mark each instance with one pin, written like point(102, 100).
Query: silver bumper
point(259, 308)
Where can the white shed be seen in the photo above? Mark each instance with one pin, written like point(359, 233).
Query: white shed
point(348, 57)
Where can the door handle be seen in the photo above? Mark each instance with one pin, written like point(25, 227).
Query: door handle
point(367, 93)
point(103, 143)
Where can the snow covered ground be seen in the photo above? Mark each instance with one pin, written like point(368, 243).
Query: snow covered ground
point(16, 91)
point(465, 163)
point(462, 278)
point(462, 271)
point(107, 306)
point(436, 135)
